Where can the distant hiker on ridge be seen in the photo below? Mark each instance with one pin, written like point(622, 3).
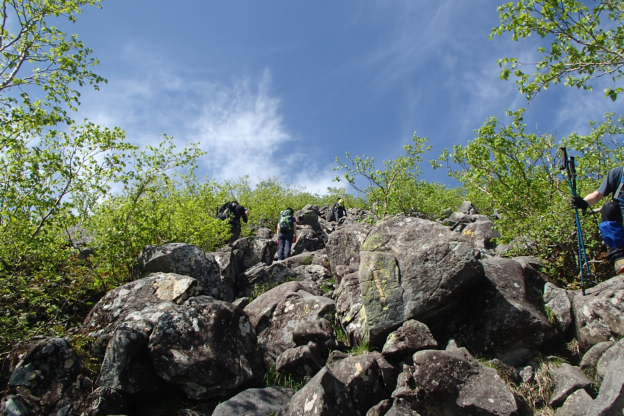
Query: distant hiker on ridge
point(338, 210)
point(285, 233)
point(611, 227)
point(233, 212)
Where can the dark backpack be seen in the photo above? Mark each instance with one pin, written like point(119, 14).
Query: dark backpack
point(286, 223)
point(226, 211)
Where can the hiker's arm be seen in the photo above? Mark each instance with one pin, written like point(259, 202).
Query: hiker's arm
point(593, 197)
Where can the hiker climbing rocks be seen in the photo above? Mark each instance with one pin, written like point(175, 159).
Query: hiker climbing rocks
point(611, 227)
point(285, 233)
point(338, 210)
point(233, 212)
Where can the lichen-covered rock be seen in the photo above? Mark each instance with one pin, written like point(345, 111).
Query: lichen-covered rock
point(187, 260)
point(483, 232)
point(598, 314)
point(207, 347)
point(566, 379)
point(265, 401)
point(608, 358)
point(410, 337)
point(48, 378)
point(452, 382)
point(349, 308)
point(135, 296)
point(286, 314)
point(557, 301)
point(412, 268)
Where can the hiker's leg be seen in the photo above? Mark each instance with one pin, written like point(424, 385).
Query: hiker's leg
point(281, 243)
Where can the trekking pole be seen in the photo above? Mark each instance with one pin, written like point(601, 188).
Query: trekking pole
point(568, 164)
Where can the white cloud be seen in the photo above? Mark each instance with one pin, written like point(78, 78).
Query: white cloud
point(240, 125)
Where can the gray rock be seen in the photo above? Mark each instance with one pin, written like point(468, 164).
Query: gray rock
point(598, 314)
point(452, 382)
point(349, 308)
point(592, 356)
point(505, 318)
point(309, 239)
point(347, 387)
point(250, 251)
point(230, 272)
point(468, 208)
point(566, 379)
point(264, 233)
point(313, 272)
point(380, 409)
point(135, 296)
point(263, 275)
point(104, 401)
point(207, 347)
point(483, 232)
point(412, 268)
point(610, 399)
point(556, 301)
point(302, 361)
point(187, 260)
point(286, 319)
point(266, 401)
point(47, 378)
point(13, 405)
point(608, 359)
point(343, 248)
point(412, 336)
point(577, 404)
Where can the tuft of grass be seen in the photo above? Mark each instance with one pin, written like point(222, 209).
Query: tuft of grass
point(361, 348)
point(83, 345)
point(274, 378)
point(537, 392)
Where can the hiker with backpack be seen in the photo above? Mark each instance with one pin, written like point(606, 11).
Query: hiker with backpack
point(338, 210)
point(285, 232)
point(233, 212)
point(611, 227)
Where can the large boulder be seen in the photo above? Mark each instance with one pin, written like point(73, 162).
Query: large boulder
point(309, 238)
point(261, 275)
point(48, 379)
point(410, 337)
point(350, 309)
point(576, 404)
point(250, 251)
point(598, 313)
point(483, 232)
point(289, 316)
point(610, 399)
point(505, 317)
point(566, 380)
point(135, 296)
point(265, 401)
point(452, 382)
point(411, 268)
point(348, 387)
point(343, 248)
point(207, 347)
point(188, 260)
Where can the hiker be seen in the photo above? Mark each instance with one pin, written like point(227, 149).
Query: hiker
point(338, 210)
point(285, 233)
point(611, 227)
point(233, 212)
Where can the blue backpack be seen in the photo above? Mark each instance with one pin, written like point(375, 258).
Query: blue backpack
point(611, 227)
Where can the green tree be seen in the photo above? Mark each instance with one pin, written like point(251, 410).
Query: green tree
point(584, 41)
point(398, 188)
point(515, 173)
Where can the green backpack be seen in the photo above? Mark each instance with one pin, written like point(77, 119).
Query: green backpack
point(286, 223)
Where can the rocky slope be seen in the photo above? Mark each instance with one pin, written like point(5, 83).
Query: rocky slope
point(404, 317)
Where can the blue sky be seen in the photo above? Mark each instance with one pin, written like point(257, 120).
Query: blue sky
point(280, 88)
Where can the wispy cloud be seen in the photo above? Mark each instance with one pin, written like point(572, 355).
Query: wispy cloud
point(240, 125)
